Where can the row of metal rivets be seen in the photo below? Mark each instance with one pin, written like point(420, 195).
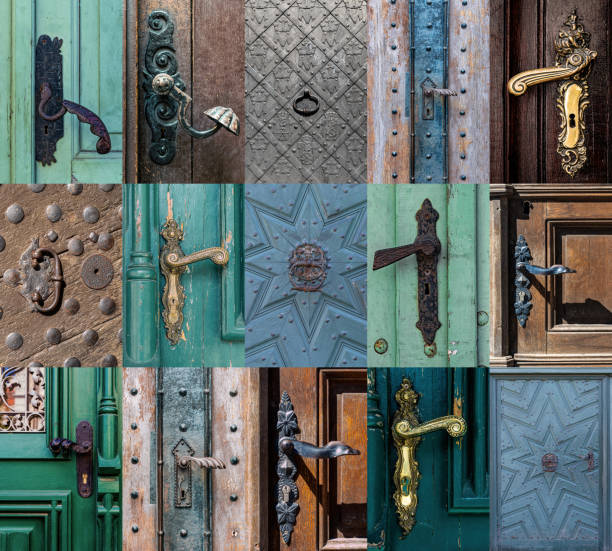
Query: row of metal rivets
point(463, 91)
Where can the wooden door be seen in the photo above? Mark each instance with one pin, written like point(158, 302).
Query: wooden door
point(528, 132)
point(81, 224)
point(43, 504)
point(201, 45)
point(306, 91)
point(305, 289)
point(91, 69)
point(211, 331)
point(453, 489)
point(394, 318)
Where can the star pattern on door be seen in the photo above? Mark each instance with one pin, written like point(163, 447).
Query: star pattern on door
point(289, 327)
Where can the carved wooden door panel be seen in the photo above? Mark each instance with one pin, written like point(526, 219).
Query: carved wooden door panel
point(54, 499)
point(550, 125)
point(305, 291)
point(447, 507)
point(75, 49)
point(306, 91)
point(60, 306)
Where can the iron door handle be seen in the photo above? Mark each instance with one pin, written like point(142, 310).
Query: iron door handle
point(57, 278)
point(307, 110)
point(202, 462)
point(331, 450)
point(173, 264)
point(407, 432)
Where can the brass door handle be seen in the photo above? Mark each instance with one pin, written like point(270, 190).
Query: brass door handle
point(407, 432)
point(57, 278)
point(173, 263)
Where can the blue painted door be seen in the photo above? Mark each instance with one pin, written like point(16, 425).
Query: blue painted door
point(305, 275)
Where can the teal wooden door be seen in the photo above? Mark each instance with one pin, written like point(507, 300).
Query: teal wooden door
point(462, 227)
point(452, 495)
point(91, 34)
point(211, 333)
point(40, 505)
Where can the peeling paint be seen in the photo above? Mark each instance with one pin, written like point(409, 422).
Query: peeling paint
point(169, 203)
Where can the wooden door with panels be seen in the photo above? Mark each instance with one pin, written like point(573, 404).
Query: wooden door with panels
point(184, 82)
point(61, 114)
point(550, 270)
point(60, 459)
point(550, 91)
point(60, 260)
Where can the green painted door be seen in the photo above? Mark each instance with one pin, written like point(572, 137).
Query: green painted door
point(462, 227)
point(211, 333)
point(452, 495)
point(91, 49)
point(40, 505)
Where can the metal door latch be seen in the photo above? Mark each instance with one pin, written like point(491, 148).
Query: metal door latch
point(287, 506)
point(49, 128)
point(83, 448)
point(173, 263)
point(522, 294)
point(427, 248)
point(407, 432)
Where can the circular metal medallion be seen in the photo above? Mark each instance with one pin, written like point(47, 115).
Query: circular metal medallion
point(97, 272)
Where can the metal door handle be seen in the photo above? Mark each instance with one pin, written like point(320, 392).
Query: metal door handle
point(82, 448)
point(407, 432)
point(427, 248)
point(307, 97)
point(329, 451)
point(522, 294)
point(57, 278)
point(202, 462)
point(173, 263)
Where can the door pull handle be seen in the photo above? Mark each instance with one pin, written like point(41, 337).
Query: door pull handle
point(522, 294)
point(83, 449)
point(57, 278)
point(574, 61)
point(173, 263)
point(427, 248)
point(407, 432)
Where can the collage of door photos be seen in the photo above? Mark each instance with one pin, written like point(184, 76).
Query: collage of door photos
point(306, 275)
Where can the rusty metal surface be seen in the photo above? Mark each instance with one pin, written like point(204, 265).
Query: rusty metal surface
point(97, 271)
point(70, 219)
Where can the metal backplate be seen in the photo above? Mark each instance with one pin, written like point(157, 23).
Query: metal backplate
point(84, 461)
point(48, 68)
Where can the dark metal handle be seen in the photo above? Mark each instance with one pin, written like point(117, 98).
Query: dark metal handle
point(329, 451)
point(306, 96)
point(555, 269)
point(65, 446)
point(202, 462)
point(426, 245)
point(57, 278)
point(97, 127)
point(439, 91)
point(82, 448)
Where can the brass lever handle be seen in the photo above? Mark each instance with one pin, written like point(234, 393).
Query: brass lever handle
point(202, 462)
point(57, 278)
point(407, 432)
point(173, 264)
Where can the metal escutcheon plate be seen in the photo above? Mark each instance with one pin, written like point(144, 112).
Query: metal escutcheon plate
point(97, 272)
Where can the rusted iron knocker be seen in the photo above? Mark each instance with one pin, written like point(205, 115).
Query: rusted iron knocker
point(57, 278)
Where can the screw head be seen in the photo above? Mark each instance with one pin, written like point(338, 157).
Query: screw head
point(133, 391)
point(381, 346)
point(233, 392)
point(182, 427)
point(183, 392)
point(133, 494)
point(234, 460)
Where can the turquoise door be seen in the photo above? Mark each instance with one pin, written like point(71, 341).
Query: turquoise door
point(211, 330)
point(451, 496)
point(91, 66)
point(44, 503)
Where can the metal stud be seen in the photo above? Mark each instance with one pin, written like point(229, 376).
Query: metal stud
point(183, 533)
point(36, 188)
point(105, 241)
point(72, 306)
point(109, 361)
point(90, 337)
point(463, 25)
point(234, 460)
point(53, 335)
point(2, 243)
point(35, 364)
point(93, 237)
point(133, 391)
point(11, 276)
point(134, 528)
point(14, 341)
point(233, 428)
point(183, 427)
point(14, 214)
point(134, 426)
point(51, 236)
point(75, 189)
point(106, 187)
point(233, 392)
point(107, 305)
point(134, 460)
point(75, 246)
point(72, 362)
point(233, 497)
point(54, 212)
point(133, 494)
point(91, 214)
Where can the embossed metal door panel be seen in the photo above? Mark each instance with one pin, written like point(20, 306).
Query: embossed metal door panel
point(305, 287)
point(306, 91)
point(398, 327)
point(453, 491)
point(81, 224)
point(40, 505)
point(91, 35)
point(550, 461)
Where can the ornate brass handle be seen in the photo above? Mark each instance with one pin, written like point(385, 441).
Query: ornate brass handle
point(407, 432)
point(173, 263)
point(57, 278)
point(202, 462)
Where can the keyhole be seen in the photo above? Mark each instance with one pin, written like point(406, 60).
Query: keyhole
point(96, 270)
point(426, 288)
point(163, 132)
point(428, 110)
point(526, 208)
point(572, 120)
point(46, 129)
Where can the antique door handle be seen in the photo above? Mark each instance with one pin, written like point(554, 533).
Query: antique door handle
point(427, 248)
point(574, 61)
point(202, 462)
point(329, 451)
point(173, 263)
point(306, 111)
point(407, 432)
point(57, 278)
point(522, 294)
point(82, 448)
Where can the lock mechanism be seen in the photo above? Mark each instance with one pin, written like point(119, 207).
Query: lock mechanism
point(407, 432)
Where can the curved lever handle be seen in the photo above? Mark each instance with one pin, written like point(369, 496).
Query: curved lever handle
point(218, 255)
point(519, 83)
point(439, 91)
point(555, 269)
point(329, 451)
point(202, 462)
point(427, 245)
point(306, 96)
point(57, 278)
point(97, 127)
point(65, 446)
point(223, 117)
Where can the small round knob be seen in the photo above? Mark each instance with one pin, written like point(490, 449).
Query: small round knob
point(162, 84)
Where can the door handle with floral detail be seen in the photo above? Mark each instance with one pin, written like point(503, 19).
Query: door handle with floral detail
point(407, 432)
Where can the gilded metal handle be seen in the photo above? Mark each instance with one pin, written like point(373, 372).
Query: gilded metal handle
point(202, 462)
point(329, 451)
point(57, 278)
point(223, 117)
point(96, 126)
point(173, 263)
point(407, 432)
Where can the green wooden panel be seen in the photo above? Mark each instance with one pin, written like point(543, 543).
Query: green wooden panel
point(463, 275)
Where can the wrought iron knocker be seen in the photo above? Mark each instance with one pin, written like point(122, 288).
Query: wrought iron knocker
point(306, 111)
point(57, 278)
